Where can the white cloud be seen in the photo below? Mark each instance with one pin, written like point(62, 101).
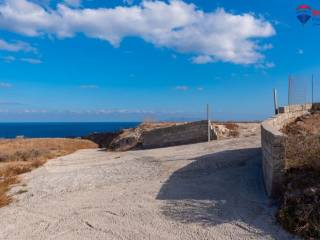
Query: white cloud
point(129, 2)
point(5, 85)
point(266, 65)
point(182, 88)
point(9, 103)
point(202, 59)
point(89, 86)
point(73, 3)
point(16, 46)
point(267, 46)
point(218, 35)
point(31, 60)
point(8, 59)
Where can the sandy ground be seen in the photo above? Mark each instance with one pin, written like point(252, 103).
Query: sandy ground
point(199, 191)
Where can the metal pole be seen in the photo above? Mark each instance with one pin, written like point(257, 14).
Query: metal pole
point(312, 89)
point(289, 90)
point(209, 124)
point(275, 101)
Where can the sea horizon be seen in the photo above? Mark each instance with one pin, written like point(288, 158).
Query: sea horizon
point(10, 130)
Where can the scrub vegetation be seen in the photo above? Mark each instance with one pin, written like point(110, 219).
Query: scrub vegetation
point(300, 209)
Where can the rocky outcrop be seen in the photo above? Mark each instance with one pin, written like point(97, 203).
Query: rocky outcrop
point(156, 135)
point(129, 139)
point(164, 134)
point(102, 139)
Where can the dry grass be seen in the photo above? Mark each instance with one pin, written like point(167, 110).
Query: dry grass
point(302, 149)
point(23, 155)
point(233, 128)
point(302, 152)
point(300, 209)
point(4, 187)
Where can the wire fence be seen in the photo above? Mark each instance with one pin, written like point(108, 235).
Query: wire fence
point(297, 90)
point(316, 88)
point(302, 90)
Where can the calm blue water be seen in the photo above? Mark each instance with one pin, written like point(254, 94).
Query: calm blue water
point(54, 130)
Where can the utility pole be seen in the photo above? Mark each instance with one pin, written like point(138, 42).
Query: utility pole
point(275, 101)
point(209, 124)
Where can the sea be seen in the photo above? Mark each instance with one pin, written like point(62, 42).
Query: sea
point(60, 129)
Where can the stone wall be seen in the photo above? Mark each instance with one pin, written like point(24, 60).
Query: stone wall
point(193, 132)
point(273, 146)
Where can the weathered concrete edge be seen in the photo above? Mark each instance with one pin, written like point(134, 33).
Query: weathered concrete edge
point(273, 146)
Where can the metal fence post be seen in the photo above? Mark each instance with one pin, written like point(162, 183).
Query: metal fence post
point(289, 90)
point(209, 124)
point(275, 101)
point(312, 89)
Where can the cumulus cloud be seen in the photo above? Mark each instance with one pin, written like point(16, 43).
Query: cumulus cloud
point(182, 88)
point(16, 46)
point(217, 35)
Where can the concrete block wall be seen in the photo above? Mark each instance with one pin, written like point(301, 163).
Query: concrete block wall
point(193, 132)
point(273, 146)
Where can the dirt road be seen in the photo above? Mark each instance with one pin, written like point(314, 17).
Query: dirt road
point(199, 191)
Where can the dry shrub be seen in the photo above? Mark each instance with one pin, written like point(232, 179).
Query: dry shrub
point(300, 210)
point(4, 187)
point(233, 128)
point(23, 155)
point(302, 151)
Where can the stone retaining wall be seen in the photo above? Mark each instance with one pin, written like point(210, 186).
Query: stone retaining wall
point(273, 146)
point(193, 132)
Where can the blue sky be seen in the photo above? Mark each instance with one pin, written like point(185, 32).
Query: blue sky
point(114, 60)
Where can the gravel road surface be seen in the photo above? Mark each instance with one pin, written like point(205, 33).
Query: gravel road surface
point(199, 191)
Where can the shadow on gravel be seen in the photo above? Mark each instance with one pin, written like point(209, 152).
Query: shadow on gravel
point(220, 188)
